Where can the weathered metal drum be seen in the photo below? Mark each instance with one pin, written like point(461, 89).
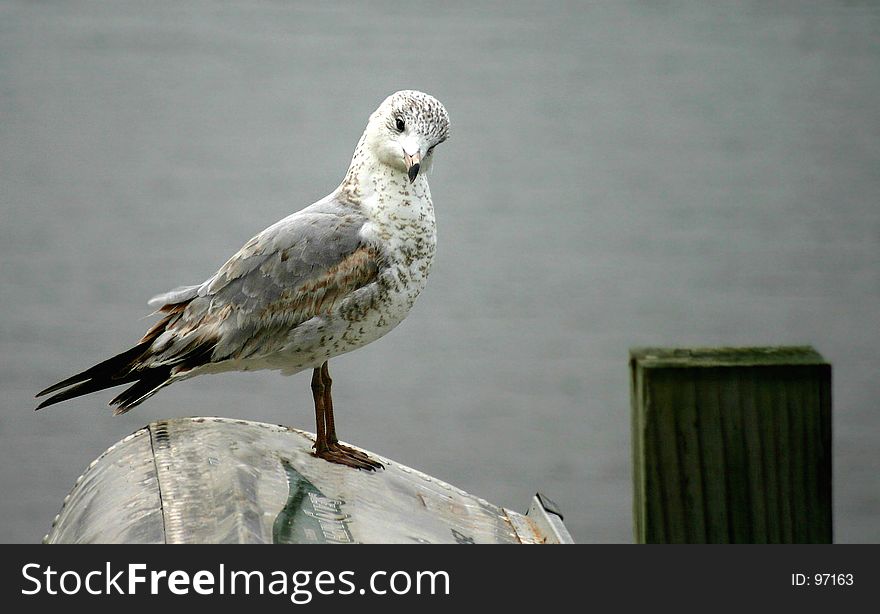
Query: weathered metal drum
point(215, 480)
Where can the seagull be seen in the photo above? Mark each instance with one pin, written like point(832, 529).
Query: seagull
point(321, 282)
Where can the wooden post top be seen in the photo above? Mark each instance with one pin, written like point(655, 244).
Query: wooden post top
point(725, 357)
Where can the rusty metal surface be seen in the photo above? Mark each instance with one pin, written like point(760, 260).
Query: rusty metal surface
point(547, 521)
point(215, 480)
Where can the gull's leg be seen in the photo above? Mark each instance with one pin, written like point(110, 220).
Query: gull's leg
point(328, 403)
point(336, 452)
point(320, 423)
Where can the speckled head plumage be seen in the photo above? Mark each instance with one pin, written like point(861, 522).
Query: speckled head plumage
point(405, 129)
point(421, 111)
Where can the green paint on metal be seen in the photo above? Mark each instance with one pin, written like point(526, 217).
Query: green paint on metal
point(309, 517)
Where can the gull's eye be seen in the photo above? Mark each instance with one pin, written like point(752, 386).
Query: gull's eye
point(400, 124)
point(430, 150)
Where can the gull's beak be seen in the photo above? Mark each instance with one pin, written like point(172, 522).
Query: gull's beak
point(413, 163)
point(412, 156)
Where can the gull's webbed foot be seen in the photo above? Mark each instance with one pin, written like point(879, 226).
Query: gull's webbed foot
point(344, 455)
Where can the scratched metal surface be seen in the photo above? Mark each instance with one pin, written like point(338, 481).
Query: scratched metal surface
point(116, 500)
point(216, 480)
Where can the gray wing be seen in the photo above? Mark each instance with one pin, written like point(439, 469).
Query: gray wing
point(290, 272)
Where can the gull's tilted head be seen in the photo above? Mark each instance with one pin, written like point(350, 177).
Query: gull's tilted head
point(404, 130)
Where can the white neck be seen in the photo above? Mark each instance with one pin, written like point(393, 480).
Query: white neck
point(379, 187)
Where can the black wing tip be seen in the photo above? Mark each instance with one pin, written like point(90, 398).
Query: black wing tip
point(109, 369)
point(123, 369)
point(47, 402)
point(56, 387)
point(147, 385)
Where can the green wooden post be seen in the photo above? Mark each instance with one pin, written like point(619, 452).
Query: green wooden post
point(731, 445)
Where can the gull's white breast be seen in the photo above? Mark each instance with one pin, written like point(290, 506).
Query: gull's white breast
point(401, 224)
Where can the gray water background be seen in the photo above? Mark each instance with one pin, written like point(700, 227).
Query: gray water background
point(619, 174)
